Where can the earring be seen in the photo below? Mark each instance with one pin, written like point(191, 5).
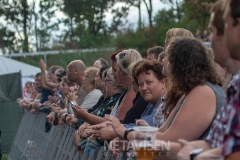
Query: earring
point(75, 72)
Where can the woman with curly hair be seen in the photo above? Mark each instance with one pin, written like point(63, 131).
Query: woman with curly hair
point(192, 73)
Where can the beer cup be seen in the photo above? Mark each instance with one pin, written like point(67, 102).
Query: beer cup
point(210, 157)
point(142, 144)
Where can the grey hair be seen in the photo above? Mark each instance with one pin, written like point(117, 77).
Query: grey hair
point(126, 58)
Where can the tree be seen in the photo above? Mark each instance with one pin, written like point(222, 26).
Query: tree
point(7, 40)
point(15, 13)
point(45, 24)
point(164, 20)
point(32, 25)
point(137, 4)
point(197, 12)
point(177, 7)
point(149, 8)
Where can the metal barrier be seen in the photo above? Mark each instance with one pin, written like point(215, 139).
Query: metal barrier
point(32, 142)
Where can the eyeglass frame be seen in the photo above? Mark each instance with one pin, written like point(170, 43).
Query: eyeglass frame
point(122, 54)
point(85, 76)
point(107, 80)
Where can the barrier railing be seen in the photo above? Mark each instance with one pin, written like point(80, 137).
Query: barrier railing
point(32, 142)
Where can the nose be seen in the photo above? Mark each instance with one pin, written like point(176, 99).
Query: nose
point(144, 87)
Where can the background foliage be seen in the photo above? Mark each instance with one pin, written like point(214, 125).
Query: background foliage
point(29, 25)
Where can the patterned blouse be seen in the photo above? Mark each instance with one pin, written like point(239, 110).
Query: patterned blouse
point(106, 106)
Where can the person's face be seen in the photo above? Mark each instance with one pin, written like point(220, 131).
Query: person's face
point(103, 85)
point(51, 75)
point(109, 86)
point(29, 88)
point(97, 64)
point(221, 54)
point(37, 81)
point(232, 35)
point(70, 73)
point(151, 56)
point(205, 32)
point(98, 81)
point(120, 75)
point(150, 88)
point(165, 66)
point(64, 88)
point(197, 32)
point(85, 82)
point(114, 72)
point(55, 78)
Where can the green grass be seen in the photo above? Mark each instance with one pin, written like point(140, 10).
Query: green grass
point(4, 156)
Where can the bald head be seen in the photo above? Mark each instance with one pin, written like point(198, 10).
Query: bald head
point(78, 65)
point(75, 71)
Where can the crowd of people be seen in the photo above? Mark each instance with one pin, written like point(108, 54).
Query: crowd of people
point(190, 92)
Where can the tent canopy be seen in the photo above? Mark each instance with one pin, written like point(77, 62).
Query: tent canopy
point(8, 65)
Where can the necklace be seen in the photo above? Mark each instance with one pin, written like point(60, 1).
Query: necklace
point(120, 105)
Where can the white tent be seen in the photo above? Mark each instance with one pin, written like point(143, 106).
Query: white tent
point(8, 65)
point(28, 72)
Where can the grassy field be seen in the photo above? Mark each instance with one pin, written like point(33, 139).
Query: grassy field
point(5, 156)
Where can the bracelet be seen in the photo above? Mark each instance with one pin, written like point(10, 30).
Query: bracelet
point(126, 133)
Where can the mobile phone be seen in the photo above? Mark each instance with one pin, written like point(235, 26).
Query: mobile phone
point(61, 97)
point(73, 104)
point(69, 107)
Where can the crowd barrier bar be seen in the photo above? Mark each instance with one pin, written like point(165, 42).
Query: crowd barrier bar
point(33, 143)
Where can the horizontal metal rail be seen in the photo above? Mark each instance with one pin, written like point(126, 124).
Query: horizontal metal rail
point(32, 142)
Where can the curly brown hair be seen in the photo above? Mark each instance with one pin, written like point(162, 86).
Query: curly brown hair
point(147, 65)
point(190, 65)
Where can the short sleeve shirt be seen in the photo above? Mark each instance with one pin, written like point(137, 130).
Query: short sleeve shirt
point(232, 132)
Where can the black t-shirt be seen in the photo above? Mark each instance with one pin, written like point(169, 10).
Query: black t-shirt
point(107, 106)
point(100, 101)
point(45, 94)
point(139, 106)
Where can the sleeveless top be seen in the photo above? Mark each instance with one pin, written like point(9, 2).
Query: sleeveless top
point(220, 99)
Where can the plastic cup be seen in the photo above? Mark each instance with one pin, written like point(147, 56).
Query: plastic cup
point(143, 142)
point(210, 157)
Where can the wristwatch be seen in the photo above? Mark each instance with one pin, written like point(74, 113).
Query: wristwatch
point(195, 152)
point(126, 133)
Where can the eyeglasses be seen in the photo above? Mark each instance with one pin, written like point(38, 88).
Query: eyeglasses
point(107, 80)
point(85, 77)
point(122, 55)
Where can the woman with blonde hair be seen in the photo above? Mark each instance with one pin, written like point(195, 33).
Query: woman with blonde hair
point(88, 85)
point(177, 32)
point(124, 61)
